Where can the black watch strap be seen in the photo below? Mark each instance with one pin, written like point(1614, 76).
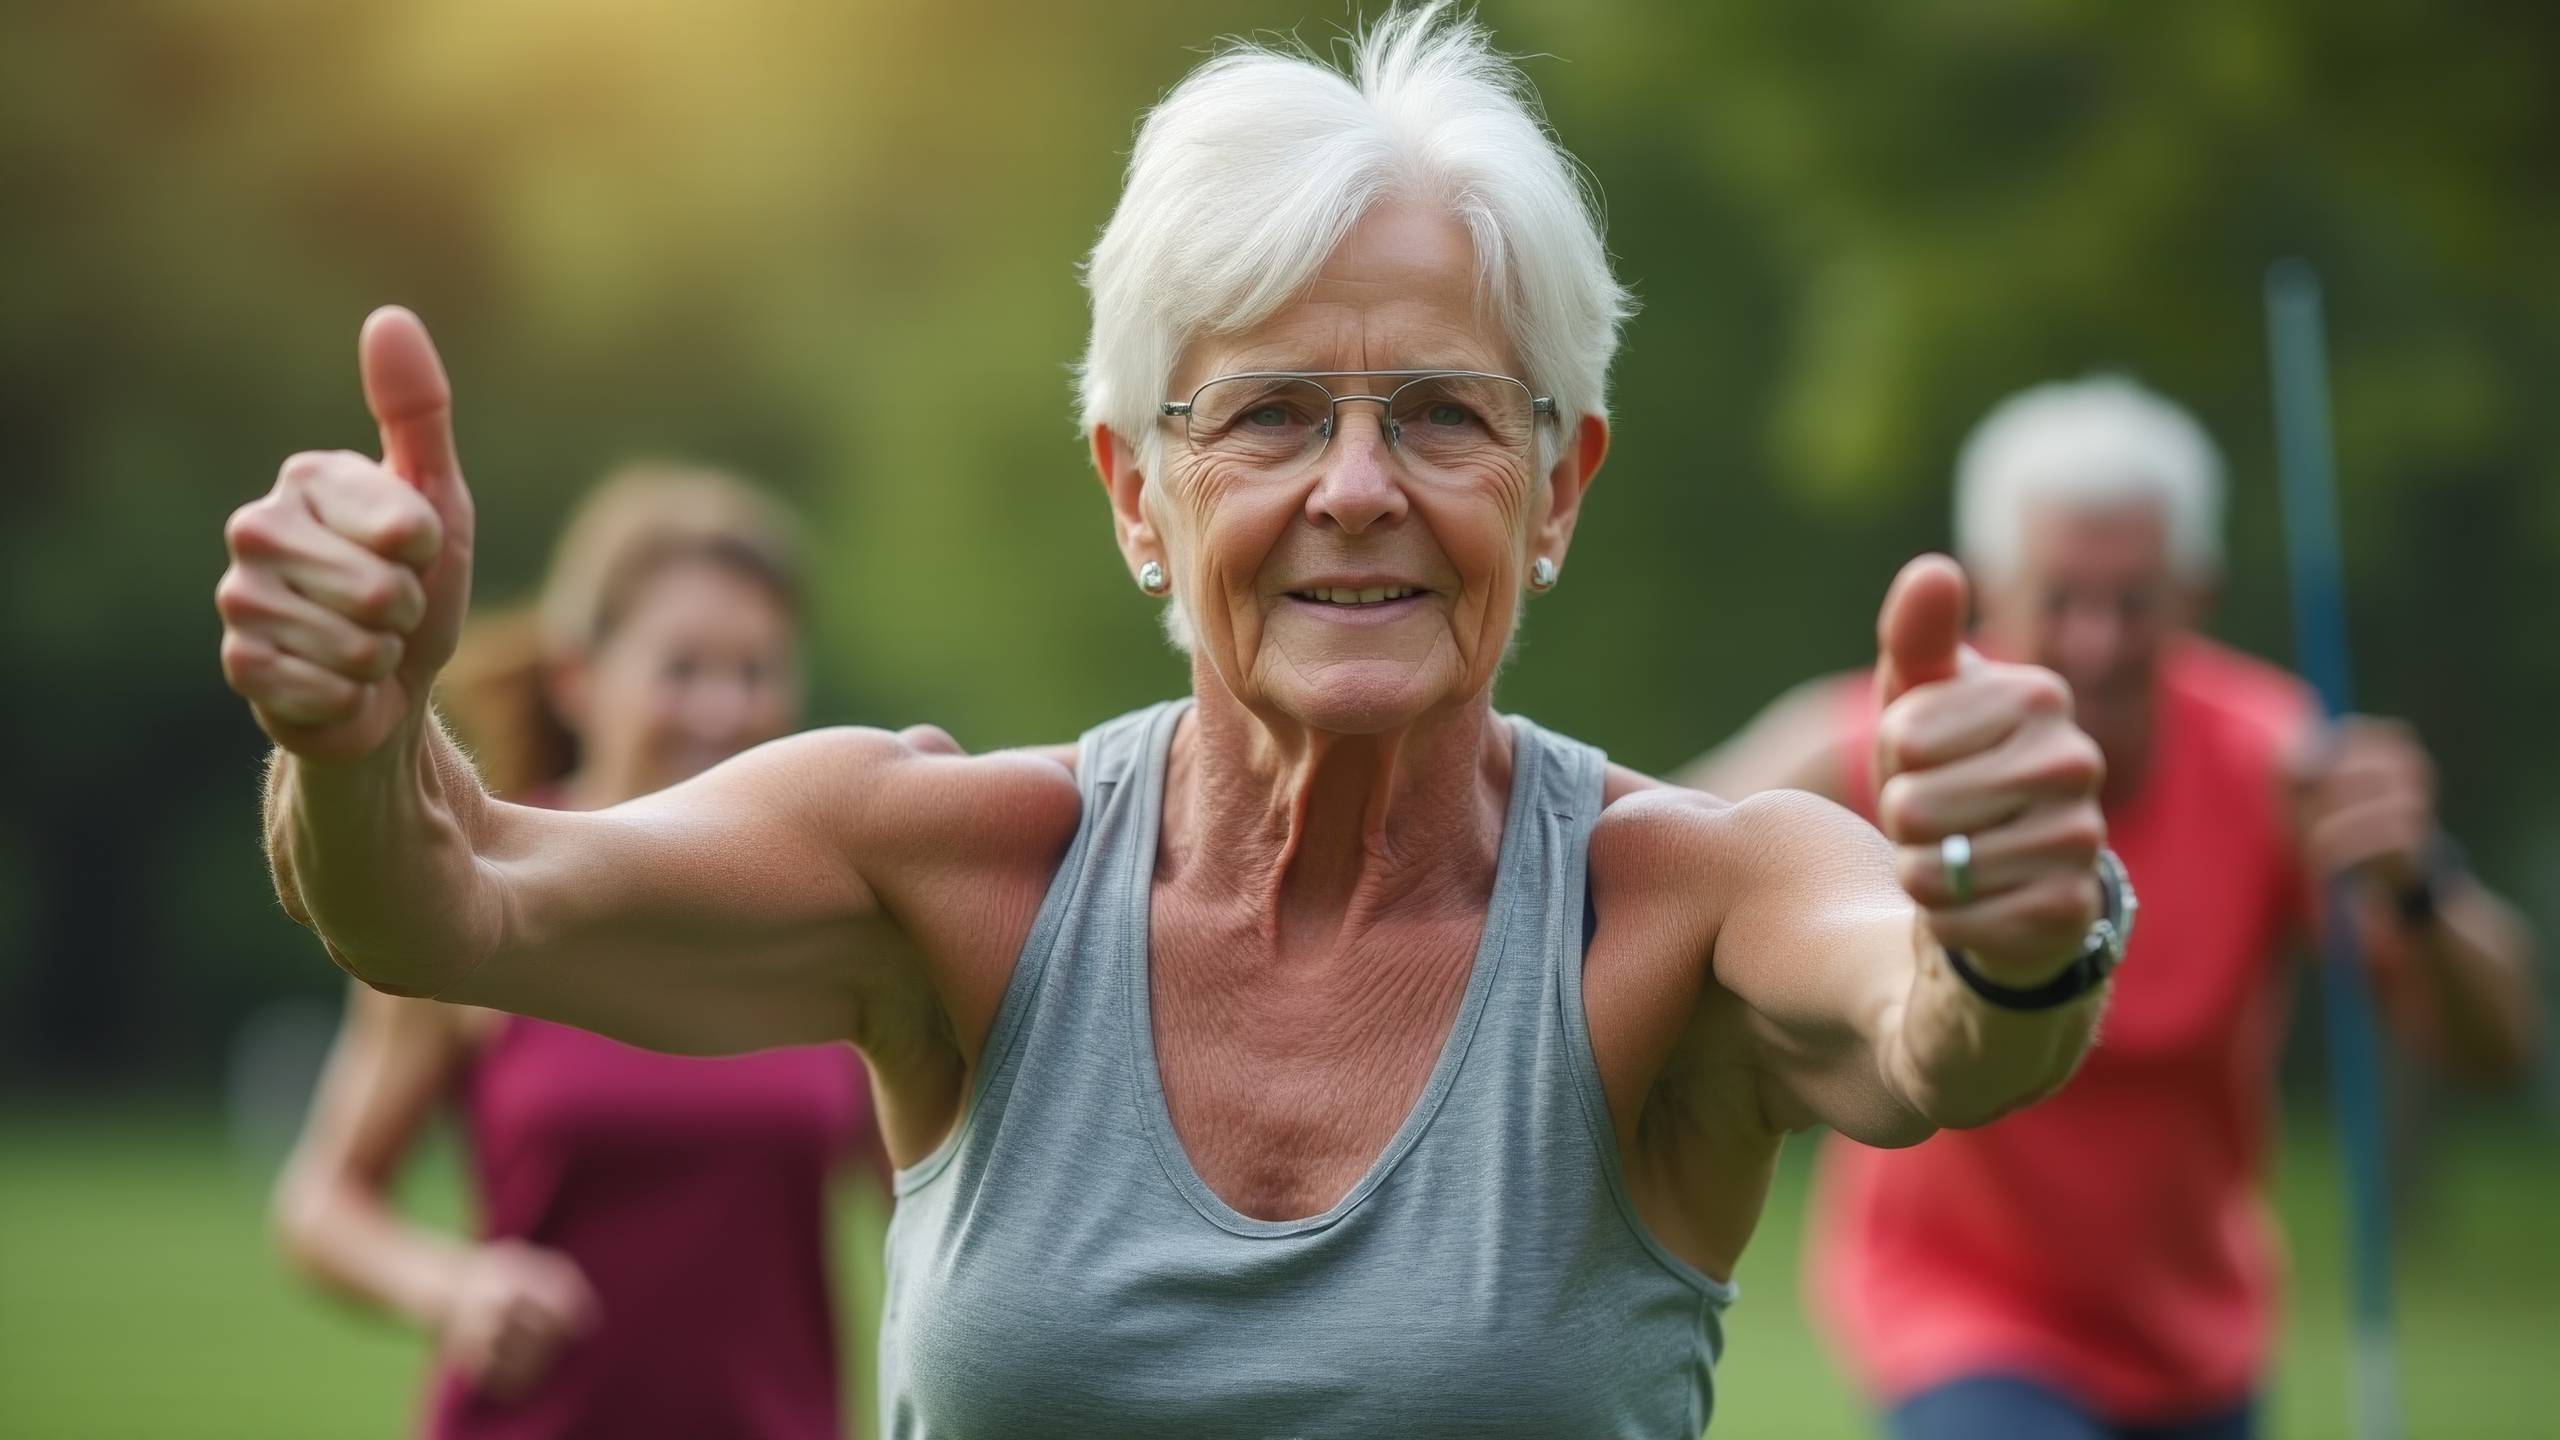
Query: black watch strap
point(2446, 866)
point(2087, 971)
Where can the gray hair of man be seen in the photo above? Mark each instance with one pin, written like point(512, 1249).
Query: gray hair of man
point(1249, 175)
point(2095, 443)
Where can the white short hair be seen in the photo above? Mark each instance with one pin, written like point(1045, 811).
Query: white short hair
point(2090, 443)
point(1256, 167)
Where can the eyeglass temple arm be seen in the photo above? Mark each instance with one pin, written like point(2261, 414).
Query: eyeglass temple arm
point(1538, 404)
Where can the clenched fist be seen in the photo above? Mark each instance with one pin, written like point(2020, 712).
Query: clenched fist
point(513, 1307)
point(348, 580)
point(1972, 747)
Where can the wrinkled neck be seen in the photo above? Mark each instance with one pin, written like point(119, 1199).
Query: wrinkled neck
point(1318, 832)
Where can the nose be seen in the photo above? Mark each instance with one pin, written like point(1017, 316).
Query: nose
point(2090, 641)
point(1356, 482)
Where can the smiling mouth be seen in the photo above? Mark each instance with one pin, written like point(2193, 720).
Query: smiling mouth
point(1345, 595)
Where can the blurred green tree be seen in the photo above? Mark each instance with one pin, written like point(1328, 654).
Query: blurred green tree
point(835, 245)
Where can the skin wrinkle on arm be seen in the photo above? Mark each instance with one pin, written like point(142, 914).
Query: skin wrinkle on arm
point(404, 920)
point(725, 913)
point(1868, 1029)
point(1840, 999)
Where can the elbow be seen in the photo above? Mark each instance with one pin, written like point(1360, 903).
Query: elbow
point(295, 1211)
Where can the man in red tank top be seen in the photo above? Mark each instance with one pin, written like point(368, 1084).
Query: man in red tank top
point(2101, 1264)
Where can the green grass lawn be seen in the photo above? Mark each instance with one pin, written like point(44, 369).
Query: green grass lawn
point(138, 1297)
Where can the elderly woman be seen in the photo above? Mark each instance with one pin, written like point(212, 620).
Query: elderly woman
point(1322, 1054)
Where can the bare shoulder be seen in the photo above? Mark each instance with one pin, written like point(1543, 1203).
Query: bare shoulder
point(957, 849)
point(913, 795)
point(1652, 835)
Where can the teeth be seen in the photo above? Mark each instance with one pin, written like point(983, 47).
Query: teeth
point(1368, 595)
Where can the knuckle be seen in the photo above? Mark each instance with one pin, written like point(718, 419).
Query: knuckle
point(414, 522)
point(377, 654)
point(1893, 738)
point(1895, 802)
point(2072, 760)
point(2083, 834)
point(235, 596)
point(375, 596)
point(251, 530)
point(2053, 909)
point(244, 660)
point(303, 468)
point(2040, 691)
point(366, 652)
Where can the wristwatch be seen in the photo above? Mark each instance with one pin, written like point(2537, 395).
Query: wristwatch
point(2099, 955)
point(2444, 871)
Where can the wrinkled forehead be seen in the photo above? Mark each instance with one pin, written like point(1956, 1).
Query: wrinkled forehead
point(1402, 292)
point(2109, 542)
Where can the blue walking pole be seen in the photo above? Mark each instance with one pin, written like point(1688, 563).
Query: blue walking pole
point(2298, 350)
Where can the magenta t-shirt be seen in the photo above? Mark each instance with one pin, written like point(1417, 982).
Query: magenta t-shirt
point(693, 1193)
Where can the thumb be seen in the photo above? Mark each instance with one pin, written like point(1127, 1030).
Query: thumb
point(405, 388)
point(1920, 630)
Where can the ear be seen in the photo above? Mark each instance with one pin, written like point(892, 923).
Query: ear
point(1567, 482)
point(1115, 463)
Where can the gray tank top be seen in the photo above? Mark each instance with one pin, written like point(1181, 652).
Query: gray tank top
point(1057, 1267)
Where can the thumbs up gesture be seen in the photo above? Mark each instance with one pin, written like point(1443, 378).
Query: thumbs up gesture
point(348, 580)
point(1972, 748)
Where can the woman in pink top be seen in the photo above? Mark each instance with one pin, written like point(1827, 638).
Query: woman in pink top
point(2102, 1265)
point(652, 1251)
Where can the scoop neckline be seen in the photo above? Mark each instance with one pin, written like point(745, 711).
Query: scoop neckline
point(1137, 968)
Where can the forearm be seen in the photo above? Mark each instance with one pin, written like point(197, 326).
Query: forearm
point(1961, 1061)
point(2471, 969)
point(378, 858)
point(345, 1239)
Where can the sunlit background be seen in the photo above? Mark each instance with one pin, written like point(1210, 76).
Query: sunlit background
point(834, 245)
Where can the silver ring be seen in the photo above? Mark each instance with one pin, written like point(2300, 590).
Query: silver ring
point(1955, 853)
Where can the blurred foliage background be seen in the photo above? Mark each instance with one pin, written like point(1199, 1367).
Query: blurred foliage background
point(834, 244)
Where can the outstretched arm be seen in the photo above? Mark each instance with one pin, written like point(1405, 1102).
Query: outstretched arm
point(1837, 940)
point(768, 901)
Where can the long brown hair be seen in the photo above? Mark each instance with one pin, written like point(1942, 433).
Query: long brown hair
point(631, 527)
